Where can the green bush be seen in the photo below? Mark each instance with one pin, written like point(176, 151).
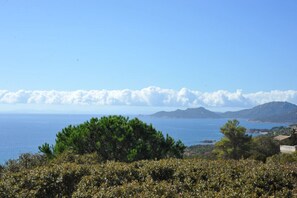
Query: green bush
point(115, 138)
point(163, 178)
point(283, 158)
point(200, 151)
point(264, 147)
point(25, 161)
point(235, 144)
point(45, 181)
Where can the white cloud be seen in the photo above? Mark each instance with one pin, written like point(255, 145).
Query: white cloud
point(150, 96)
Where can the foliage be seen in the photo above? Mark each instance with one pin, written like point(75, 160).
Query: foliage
point(282, 130)
point(283, 158)
point(25, 161)
point(289, 131)
point(77, 169)
point(293, 138)
point(115, 138)
point(71, 157)
point(163, 178)
point(200, 151)
point(47, 150)
point(263, 147)
point(235, 144)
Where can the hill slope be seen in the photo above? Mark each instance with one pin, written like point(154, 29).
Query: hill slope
point(268, 112)
point(188, 113)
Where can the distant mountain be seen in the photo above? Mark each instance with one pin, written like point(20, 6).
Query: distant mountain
point(290, 117)
point(268, 112)
point(188, 113)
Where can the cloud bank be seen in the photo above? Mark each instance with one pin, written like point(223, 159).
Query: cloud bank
point(150, 96)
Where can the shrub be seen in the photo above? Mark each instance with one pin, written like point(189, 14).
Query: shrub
point(115, 138)
point(264, 147)
point(163, 178)
point(235, 144)
point(283, 158)
point(25, 161)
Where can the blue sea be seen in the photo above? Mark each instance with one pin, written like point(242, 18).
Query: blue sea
point(23, 133)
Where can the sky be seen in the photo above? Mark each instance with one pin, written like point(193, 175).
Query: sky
point(138, 56)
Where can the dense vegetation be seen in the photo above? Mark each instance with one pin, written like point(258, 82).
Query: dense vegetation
point(237, 144)
point(72, 175)
point(84, 162)
point(115, 138)
point(274, 131)
point(204, 151)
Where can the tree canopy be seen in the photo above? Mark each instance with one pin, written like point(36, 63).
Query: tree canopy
point(115, 138)
point(235, 144)
point(264, 147)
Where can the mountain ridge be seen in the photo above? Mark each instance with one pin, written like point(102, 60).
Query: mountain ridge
point(268, 112)
point(199, 112)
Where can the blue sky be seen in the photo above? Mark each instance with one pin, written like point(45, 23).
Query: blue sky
point(114, 45)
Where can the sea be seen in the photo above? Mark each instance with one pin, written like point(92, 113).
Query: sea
point(23, 133)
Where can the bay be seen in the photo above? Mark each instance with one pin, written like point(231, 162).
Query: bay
point(23, 133)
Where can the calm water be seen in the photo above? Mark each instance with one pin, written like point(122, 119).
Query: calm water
point(24, 133)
